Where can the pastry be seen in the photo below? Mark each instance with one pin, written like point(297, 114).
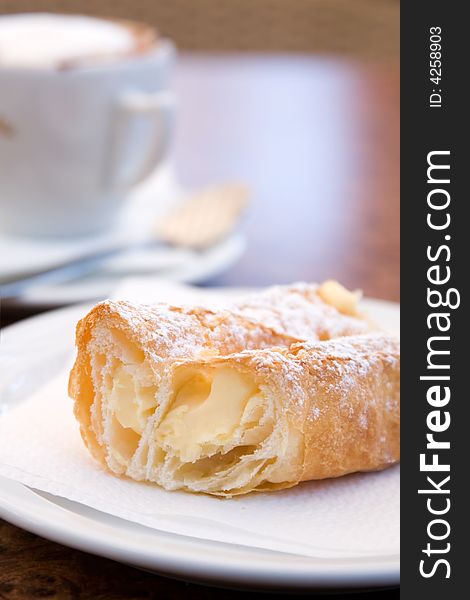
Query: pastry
point(126, 352)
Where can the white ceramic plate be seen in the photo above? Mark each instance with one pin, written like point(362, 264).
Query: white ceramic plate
point(30, 364)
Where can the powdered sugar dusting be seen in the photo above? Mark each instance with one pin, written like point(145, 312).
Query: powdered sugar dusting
point(299, 311)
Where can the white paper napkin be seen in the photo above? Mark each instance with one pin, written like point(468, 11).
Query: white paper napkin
point(356, 515)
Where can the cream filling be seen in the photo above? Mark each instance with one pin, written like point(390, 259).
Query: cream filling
point(336, 295)
point(131, 403)
point(218, 435)
point(207, 412)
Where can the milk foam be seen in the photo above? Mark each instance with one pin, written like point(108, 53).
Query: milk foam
point(42, 40)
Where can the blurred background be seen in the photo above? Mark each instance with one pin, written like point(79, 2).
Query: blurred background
point(299, 102)
point(360, 28)
point(296, 102)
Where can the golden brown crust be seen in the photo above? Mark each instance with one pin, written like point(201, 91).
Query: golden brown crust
point(353, 413)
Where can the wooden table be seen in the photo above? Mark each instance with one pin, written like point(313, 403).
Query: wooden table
point(317, 139)
point(318, 142)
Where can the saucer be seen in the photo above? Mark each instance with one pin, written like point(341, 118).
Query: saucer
point(25, 256)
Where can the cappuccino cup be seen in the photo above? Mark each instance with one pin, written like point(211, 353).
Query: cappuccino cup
point(85, 116)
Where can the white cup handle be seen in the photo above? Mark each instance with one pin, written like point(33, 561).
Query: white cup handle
point(159, 109)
